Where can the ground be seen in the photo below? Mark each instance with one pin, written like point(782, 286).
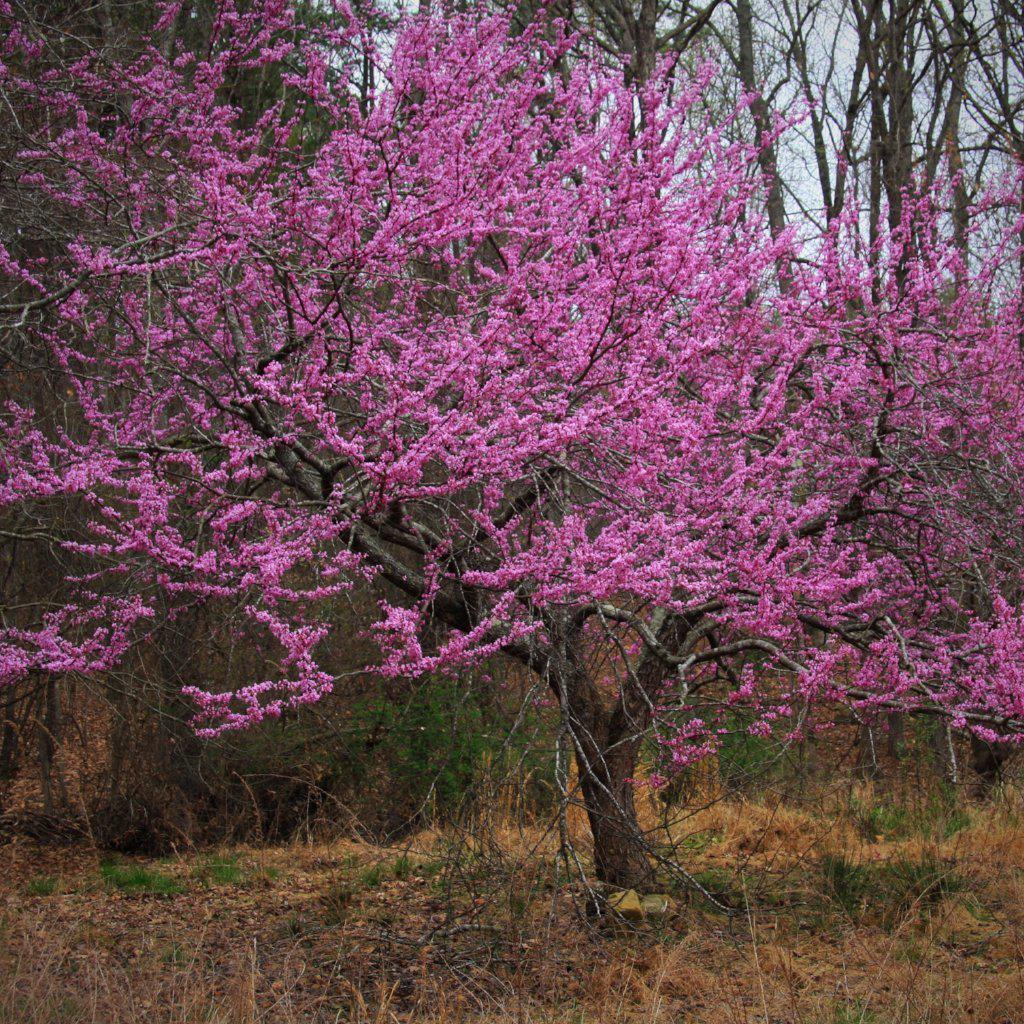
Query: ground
point(871, 913)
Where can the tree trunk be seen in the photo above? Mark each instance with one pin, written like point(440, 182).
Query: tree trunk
point(867, 753)
point(766, 149)
point(606, 738)
point(945, 752)
point(894, 735)
point(9, 743)
point(606, 772)
point(48, 729)
point(987, 760)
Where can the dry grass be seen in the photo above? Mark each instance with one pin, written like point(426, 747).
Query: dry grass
point(840, 927)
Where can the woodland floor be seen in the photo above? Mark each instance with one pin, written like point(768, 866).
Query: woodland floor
point(872, 915)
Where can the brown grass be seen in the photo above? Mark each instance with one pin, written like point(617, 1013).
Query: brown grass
point(347, 931)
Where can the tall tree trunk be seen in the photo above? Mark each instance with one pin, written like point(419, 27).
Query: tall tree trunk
point(606, 742)
point(607, 749)
point(607, 732)
point(867, 753)
point(945, 752)
point(48, 730)
point(766, 149)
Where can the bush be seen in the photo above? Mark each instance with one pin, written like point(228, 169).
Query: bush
point(425, 755)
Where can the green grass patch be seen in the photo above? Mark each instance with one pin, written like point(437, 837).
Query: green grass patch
point(942, 816)
point(880, 818)
point(265, 875)
point(937, 817)
point(338, 900)
point(889, 891)
point(845, 883)
point(921, 883)
point(224, 870)
point(854, 1013)
point(698, 842)
point(174, 955)
point(137, 879)
point(723, 885)
point(956, 821)
point(403, 868)
point(216, 871)
point(374, 876)
point(42, 885)
point(378, 874)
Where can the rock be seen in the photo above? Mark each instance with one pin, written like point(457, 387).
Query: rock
point(656, 905)
point(627, 904)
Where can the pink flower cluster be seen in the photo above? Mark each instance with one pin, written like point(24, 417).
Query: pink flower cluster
point(483, 333)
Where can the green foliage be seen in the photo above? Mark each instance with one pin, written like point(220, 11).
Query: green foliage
point(220, 871)
point(943, 815)
point(42, 885)
point(955, 821)
point(938, 815)
point(339, 897)
point(174, 955)
point(136, 879)
point(403, 867)
point(745, 759)
point(374, 876)
point(518, 904)
point(723, 885)
point(698, 842)
point(880, 818)
point(919, 883)
point(337, 901)
point(845, 882)
point(294, 927)
point(392, 759)
point(887, 890)
point(854, 1013)
point(383, 871)
point(439, 746)
point(431, 746)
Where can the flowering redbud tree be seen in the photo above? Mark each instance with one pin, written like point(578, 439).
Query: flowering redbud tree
point(513, 341)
